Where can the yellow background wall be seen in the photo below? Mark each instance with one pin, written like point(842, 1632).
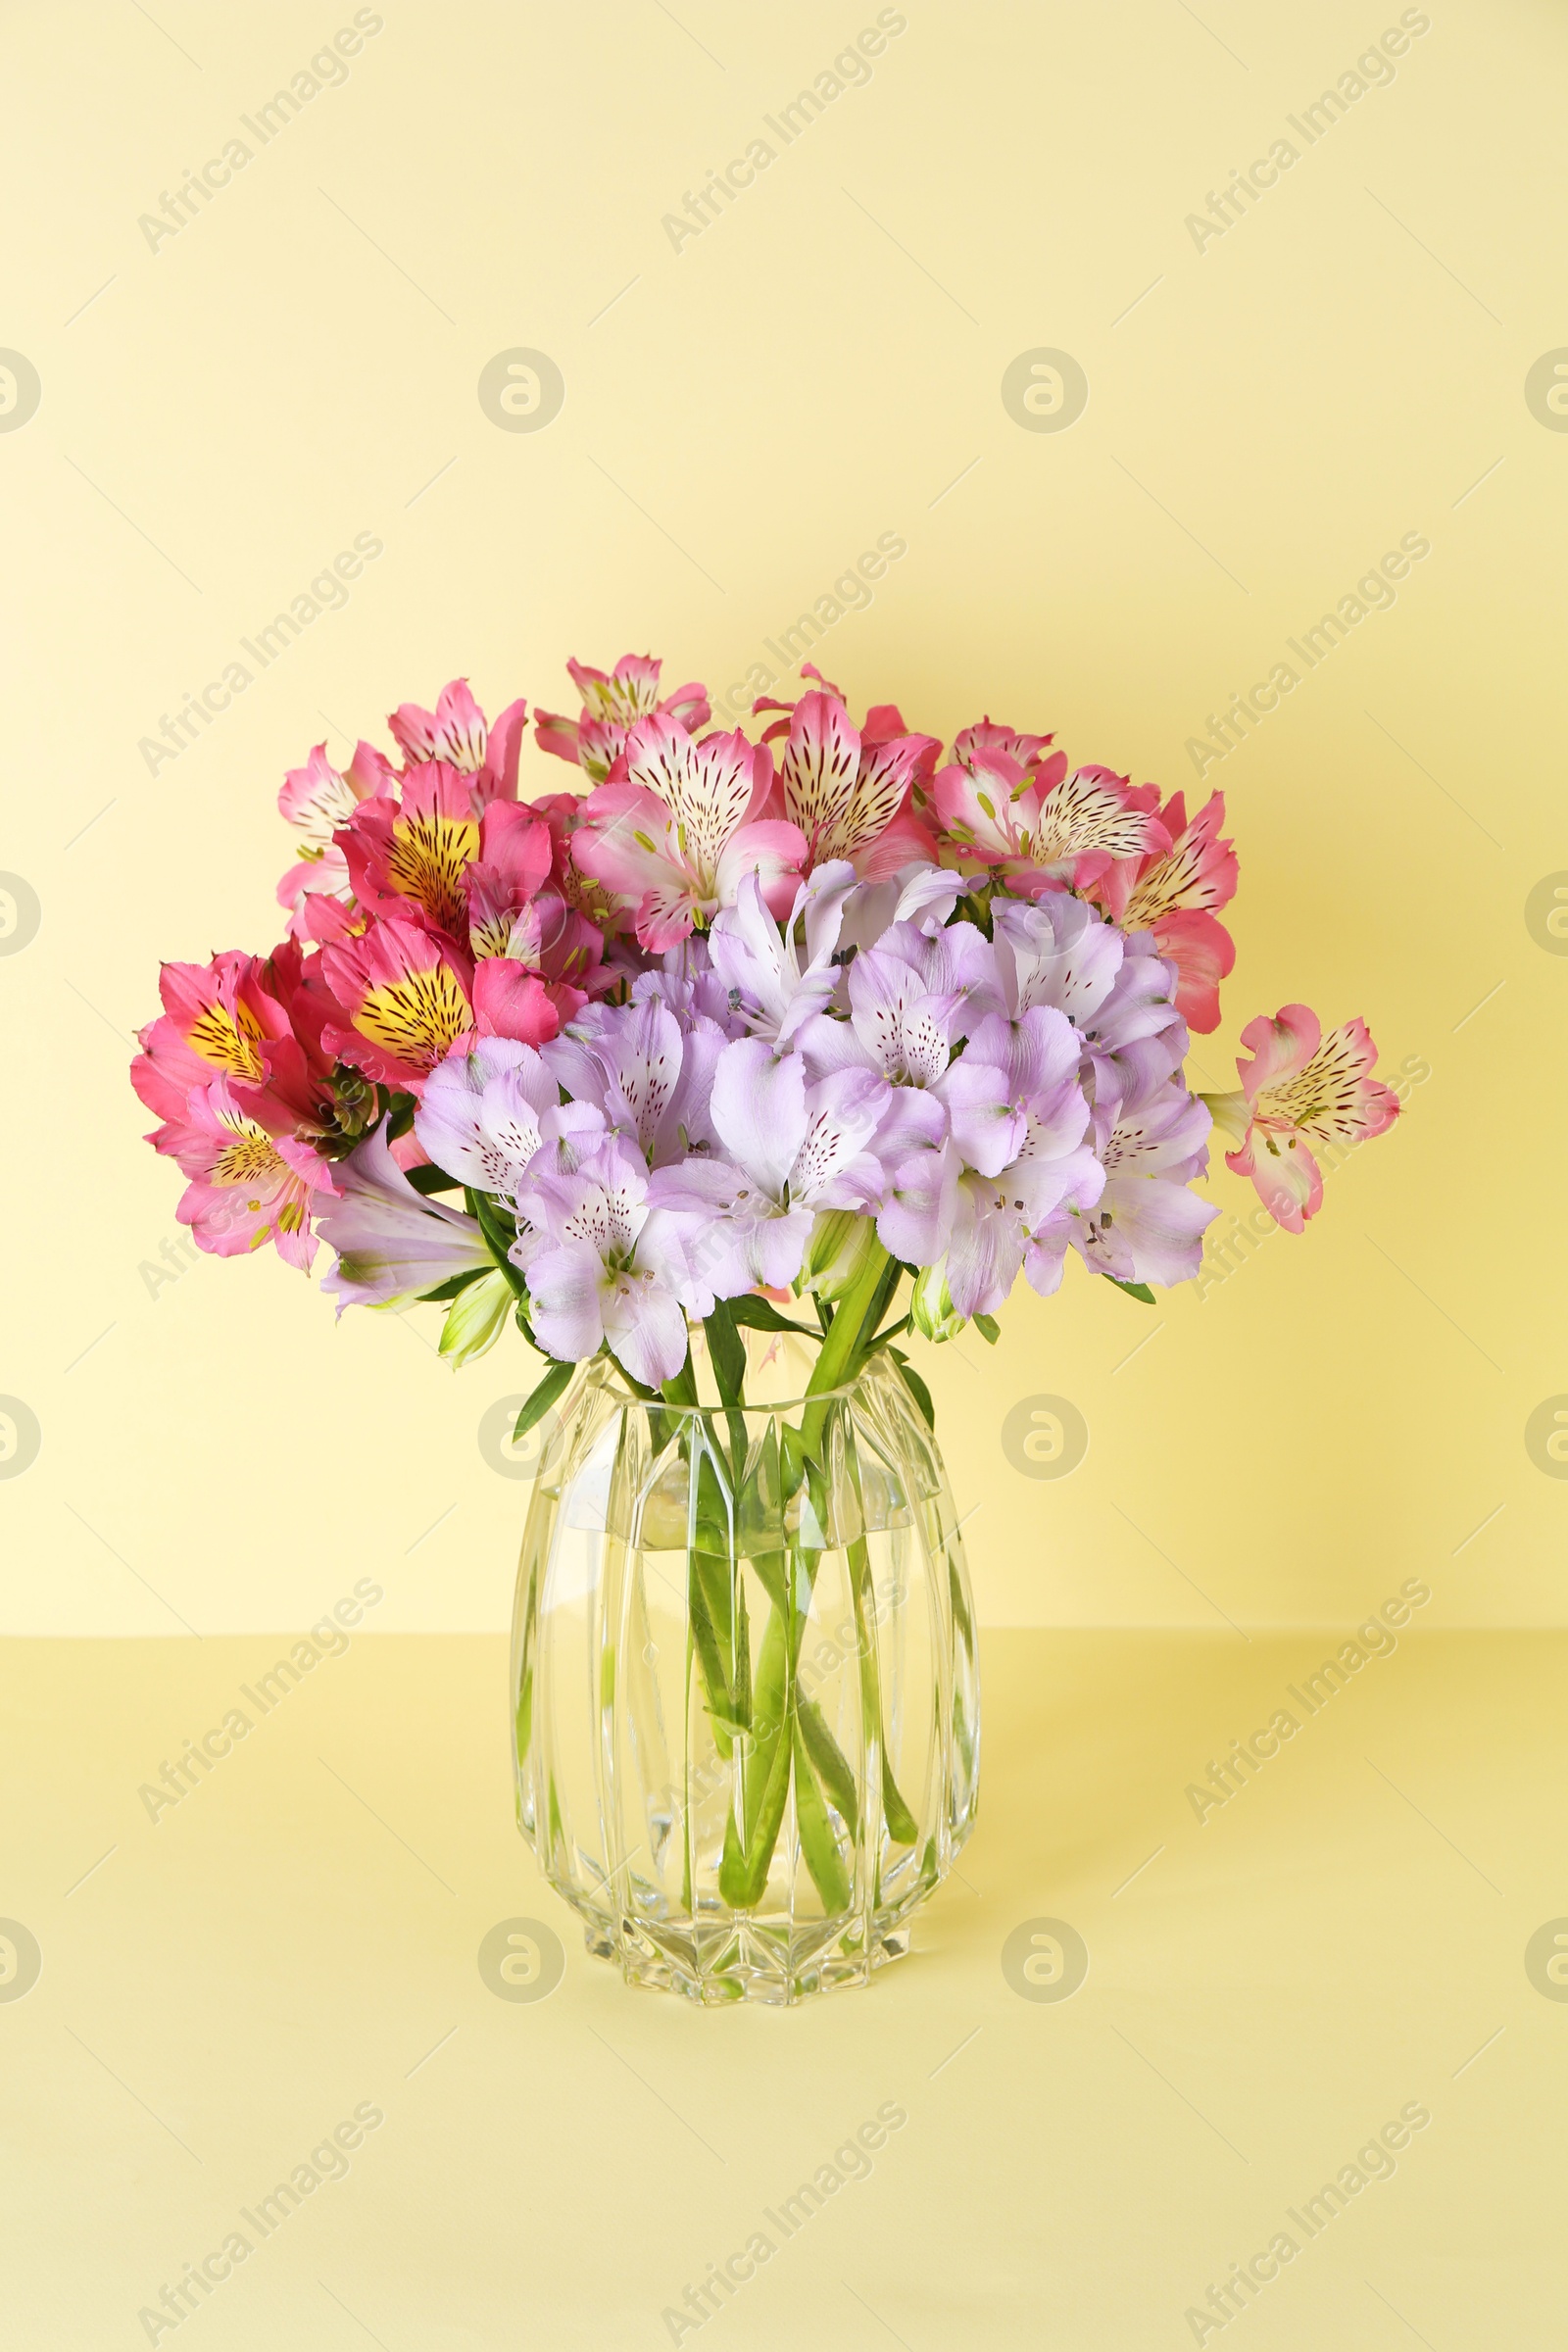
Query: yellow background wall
point(823, 363)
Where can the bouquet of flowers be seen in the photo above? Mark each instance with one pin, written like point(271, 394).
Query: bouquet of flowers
point(742, 1026)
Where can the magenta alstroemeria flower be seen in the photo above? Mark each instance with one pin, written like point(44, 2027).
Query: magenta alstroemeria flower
point(612, 702)
point(391, 1241)
point(677, 835)
point(517, 924)
point(404, 990)
point(223, 1018)
point(257, 1020)
point(605, 1267)
point(409, 857)
point(1300, 1087)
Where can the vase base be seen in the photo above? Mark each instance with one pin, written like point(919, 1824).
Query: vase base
point(748, 1961)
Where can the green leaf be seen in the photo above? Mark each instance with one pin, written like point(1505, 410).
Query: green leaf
point(452, 1284)
point(882, 1298)
point(554, 1383)
point(431, 1179)
point(1134, 1289)
point(988, 1327)
point(901, 1826)
point(403, 1108)
point(497, 1241)
point(726, 1353)
point(917, 1387)
point(762, 1315)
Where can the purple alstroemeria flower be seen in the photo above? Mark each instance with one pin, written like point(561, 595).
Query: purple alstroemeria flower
point(789, 1149)
point(1151, 1137)
point(758, 960)
point(486, 1111)
point(391, 1242)
point(648, 1069)
point(607, 1266)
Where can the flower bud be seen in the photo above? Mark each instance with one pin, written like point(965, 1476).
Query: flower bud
point(836, 1253)
point(475, 1318)
point(1231, 1113)
point(931, 1307)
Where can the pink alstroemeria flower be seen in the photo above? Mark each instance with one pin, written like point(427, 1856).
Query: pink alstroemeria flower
point(457, 734)
point(1174, 893)
point(513, 864)
point(1300, 1087)
point(848, 790)
point(675, 837)
point(318, 800)
point(410, 993)
point(1041, 828)
point(612, 702)
point(252, 1178)
point(973, 744)
point(429, 863)
point(406, 995)
point(392, 1242)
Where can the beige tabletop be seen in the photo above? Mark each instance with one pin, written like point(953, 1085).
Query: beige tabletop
point(1320, 2010)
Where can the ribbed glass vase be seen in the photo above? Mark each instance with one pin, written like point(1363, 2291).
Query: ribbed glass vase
point(744, 1682)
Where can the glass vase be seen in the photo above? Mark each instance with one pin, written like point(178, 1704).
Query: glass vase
point(744, 1686)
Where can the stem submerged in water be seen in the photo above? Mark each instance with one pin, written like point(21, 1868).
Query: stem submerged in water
point(777, 1736)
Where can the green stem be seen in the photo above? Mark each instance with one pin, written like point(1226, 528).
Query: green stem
point(789, 1739)
point(849, 1334)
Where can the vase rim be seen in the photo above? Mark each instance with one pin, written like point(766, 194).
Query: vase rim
point(771, 1408)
